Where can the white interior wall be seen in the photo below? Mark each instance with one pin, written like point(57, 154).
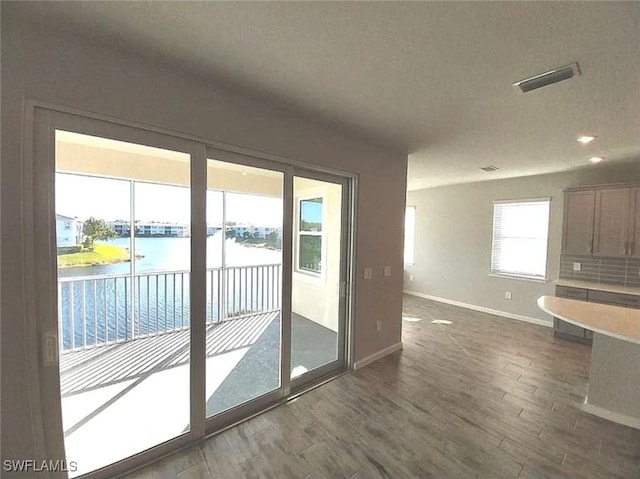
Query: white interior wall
point(454, 232)
point(62, 70)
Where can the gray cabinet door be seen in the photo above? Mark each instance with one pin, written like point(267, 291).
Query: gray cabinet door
point(611, 225)
point(568, 331)
point(634, 224)
point(577, 233)
point(615, 299)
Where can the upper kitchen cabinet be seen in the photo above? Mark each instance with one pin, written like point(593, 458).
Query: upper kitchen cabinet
point(602, 221)
point(611, 224)
point(579, 210)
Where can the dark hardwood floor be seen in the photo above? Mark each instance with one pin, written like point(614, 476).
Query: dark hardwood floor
point(480, 397)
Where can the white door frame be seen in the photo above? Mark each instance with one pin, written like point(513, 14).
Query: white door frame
point(41, 121)
point(46, 122)
point(344, 327)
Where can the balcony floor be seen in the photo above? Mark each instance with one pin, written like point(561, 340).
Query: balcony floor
point(136, 393)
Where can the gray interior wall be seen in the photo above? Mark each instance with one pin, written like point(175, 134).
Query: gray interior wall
point(454, 230)
point(72, 72)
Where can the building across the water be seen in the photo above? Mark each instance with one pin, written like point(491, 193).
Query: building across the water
point(68, 231)
point(151, 229)
point(158, 230)
point(244, 231)
point(122, 228)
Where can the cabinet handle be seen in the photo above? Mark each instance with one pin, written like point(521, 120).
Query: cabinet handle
point(632, 248)
point(624, 249)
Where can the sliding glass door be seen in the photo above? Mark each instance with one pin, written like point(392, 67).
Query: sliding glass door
point(180, 288)
point(122, 228)
point(320, 219)
point(244, 259)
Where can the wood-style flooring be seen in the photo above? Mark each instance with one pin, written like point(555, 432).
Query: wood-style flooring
point(480, 397)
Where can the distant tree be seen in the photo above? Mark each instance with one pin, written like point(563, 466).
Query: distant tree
point(273, 239)
point(96, 229)
point(310, 226)
point(246, 235)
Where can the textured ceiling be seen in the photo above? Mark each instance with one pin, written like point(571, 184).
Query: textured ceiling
point(433, 78)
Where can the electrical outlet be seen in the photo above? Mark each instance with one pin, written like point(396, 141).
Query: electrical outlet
point(378, 326)
point(577, 266)
point(387, 271)
point(368, 273)
point(507, 295)
point(410, 277)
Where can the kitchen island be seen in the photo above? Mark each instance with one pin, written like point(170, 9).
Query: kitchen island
point(614, 375)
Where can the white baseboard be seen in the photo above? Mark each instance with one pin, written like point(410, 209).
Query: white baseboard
point(496, 312)
point(623, 419)
point(375, 356)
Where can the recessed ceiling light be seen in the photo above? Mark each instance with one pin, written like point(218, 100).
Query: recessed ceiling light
point(586, 139)
point(595, 159)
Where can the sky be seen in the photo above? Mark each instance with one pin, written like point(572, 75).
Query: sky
point(109, 199)
point(311, 211)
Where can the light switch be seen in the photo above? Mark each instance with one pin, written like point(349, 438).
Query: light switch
point(387, 271)
point(368, 273)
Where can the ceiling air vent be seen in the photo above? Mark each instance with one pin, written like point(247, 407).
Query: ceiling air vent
point(489, 168)
point(547, 78)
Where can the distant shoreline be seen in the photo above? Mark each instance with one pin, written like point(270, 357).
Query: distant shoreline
point(102, 254)
point(258, 243)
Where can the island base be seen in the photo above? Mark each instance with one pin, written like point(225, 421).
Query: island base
point(614, 381)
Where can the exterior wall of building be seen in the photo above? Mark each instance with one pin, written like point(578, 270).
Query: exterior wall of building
point(68, 231)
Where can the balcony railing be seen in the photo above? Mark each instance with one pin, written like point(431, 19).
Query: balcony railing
point(105, 309)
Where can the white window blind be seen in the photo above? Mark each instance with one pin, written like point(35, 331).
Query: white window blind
point(520, 232)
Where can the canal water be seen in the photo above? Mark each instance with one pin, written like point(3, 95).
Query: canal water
point(97, 304)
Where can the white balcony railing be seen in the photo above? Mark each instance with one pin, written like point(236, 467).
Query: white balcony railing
point(105, 309)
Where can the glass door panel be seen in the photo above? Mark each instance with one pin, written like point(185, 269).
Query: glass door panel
point(244, 260)
point(123, 254)
point(316, 324)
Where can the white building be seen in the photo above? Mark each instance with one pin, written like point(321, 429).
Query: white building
point(68, 231)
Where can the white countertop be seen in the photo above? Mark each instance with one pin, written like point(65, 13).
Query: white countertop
point(610, 288)
point(615, 321)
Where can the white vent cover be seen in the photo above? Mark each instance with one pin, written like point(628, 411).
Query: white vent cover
point(547, 78)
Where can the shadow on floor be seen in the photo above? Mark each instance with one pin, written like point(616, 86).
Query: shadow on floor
point(258, 371)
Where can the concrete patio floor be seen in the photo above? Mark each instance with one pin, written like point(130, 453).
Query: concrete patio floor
point(121, 399)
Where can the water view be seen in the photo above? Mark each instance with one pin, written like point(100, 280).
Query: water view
point(99, 305)
point(173, 254)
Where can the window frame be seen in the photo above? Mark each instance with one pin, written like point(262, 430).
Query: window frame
point(413, 239)
point(519, 275)
point(299, 233)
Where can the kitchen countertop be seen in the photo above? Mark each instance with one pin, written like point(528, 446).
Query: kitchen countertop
point(610, 288)
point(614, 321)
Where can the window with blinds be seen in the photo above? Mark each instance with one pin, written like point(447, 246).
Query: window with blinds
point(520, 233)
